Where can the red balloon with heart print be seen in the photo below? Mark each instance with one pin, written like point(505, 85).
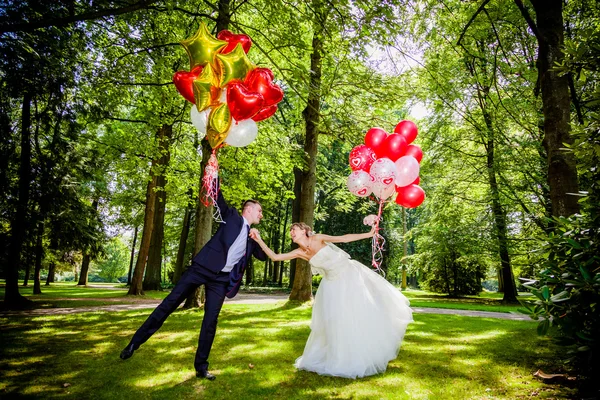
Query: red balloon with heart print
point(233, 39)
point(414, 151)
point(183, 81)
point(393, 147)
point(359, 183)
point(374, 139)
point(410, 196)
point(243, 103)
point(408, 129)
point(361, 158)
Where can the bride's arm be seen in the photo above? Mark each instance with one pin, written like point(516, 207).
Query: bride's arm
point(255, 234)
point(350, 237)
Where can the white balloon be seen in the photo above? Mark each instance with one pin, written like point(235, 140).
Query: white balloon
point(384, 171)
point(200, 119)
point(241, 133)
point(407, 170)
point(359, 183)
point(383, 191)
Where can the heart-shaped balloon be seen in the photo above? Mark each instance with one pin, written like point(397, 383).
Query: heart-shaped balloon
point(242, 102)
point(265, 113)
point(260, 80)
point(183, 81)
point(233, 39)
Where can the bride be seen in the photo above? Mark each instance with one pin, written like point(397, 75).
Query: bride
point(358, 318)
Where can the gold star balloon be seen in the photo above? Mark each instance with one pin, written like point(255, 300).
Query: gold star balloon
point(219, 122)
point(202, 47)
point(234, 65)
point(206, 88)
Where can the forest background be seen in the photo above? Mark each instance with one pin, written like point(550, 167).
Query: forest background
point(100, 166)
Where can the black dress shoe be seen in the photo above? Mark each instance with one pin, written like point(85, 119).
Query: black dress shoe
point(127, 352)
point(205, 375)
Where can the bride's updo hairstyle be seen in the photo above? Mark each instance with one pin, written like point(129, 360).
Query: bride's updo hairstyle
point(307, 229)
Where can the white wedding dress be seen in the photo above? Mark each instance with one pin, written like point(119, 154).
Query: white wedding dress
point(358, 318)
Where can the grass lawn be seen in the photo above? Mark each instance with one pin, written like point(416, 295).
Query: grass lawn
point(443, 357)
point(68, 294)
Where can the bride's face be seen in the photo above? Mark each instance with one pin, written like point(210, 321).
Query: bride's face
point(296, 233)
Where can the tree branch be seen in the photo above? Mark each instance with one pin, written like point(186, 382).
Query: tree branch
point(480, 9)
point(46, 21)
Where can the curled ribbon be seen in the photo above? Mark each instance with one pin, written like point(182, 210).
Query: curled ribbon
point(209, 185)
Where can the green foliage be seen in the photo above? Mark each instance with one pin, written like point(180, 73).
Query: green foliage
point(115, 262)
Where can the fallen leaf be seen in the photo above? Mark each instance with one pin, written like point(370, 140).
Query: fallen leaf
point(251, 366)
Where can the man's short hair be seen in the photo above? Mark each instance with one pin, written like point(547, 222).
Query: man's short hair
point(248, 203)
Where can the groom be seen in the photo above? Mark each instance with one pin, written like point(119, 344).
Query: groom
point(219, 266)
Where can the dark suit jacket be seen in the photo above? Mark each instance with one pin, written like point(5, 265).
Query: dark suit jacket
point(213, 255)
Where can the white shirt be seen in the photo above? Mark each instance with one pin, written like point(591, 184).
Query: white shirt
point(238, 248)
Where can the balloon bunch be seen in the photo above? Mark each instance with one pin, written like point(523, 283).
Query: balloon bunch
point(229, 92)
point(386, 164)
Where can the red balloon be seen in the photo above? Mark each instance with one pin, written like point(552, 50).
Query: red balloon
point(233, 39)
point(243, 103)
point(183, 81)
point(417, 181)
point(260, 80)
point(393, 147)
point(361, 157)
point(374, 138)
point(265, 113)
point(415, 151)
point(410, 196)
point(408, 129)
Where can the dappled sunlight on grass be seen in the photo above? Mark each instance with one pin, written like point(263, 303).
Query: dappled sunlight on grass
point(442, 357)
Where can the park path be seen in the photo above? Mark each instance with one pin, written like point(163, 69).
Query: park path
point(247, 298)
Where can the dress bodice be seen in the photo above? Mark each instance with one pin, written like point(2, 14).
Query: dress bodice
point(329, 261)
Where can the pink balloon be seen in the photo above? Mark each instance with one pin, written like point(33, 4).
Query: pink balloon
point(415, 151)
point(361, 157)
point(410, 196)
point(359, 183)
point(407, 170)
point(408, 129)
point(393, 147)
point(374, 138)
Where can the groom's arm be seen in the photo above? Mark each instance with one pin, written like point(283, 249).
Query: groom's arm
point(258, 252)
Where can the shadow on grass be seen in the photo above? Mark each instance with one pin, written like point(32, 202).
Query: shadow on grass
point(253, 356)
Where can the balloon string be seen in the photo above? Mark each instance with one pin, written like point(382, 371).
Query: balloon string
point(378, 242)
point(209, 185)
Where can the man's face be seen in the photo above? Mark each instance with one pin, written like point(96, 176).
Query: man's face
point(254, 214)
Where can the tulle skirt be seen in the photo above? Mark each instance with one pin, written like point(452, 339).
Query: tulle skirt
point(358, 323)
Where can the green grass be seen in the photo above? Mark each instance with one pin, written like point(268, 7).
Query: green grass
point(442, 357)
point(486, 301)
point(68, 294)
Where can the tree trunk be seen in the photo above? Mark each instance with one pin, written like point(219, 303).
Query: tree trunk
point(135, 233)
point(203, 228)
point(136, 287)
point(12, 297)
point(183, 237)
point(295, 217)
point(302, 288)
point(27, 270)
point(562, 170)
point(39, 254)
point(51, 274)
point(85, 268)
point(152, 279)
point(283, 239)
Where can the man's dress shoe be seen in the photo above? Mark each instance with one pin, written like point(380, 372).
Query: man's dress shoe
point(205, 375)
point(127, 352)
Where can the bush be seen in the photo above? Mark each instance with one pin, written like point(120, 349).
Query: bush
point(568, 291)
